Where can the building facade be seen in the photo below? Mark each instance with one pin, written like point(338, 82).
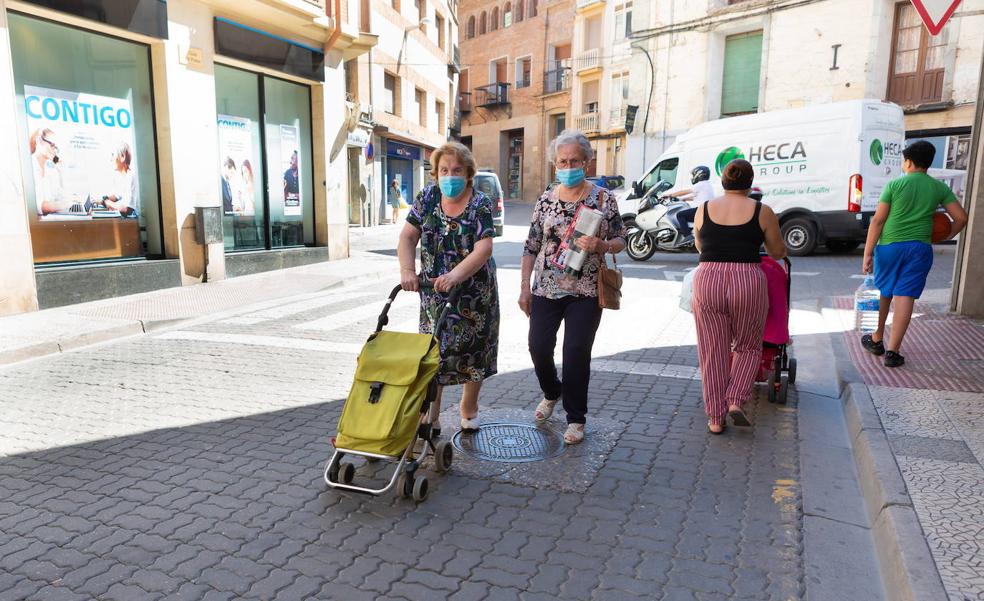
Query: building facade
point(515, 87)
point(600, 96)
point(695, 61)
point(403, 91)
point(133, 119)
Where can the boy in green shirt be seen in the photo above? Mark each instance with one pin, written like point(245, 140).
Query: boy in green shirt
point(899, 244)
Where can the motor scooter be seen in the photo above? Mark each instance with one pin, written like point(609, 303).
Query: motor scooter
point(657, 225)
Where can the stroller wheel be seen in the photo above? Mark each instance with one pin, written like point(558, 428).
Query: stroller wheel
point(773, 386)
point(420, 488)
point(346, 473)
point(443, 456)
point(792, 370)
point(783, 389)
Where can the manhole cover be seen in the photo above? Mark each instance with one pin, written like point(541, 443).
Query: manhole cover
point(513, 443)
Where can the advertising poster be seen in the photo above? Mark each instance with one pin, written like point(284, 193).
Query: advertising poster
point(82, 155)
point(289, 151)
point(236, 166)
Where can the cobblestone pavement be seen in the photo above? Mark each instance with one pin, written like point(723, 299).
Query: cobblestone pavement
point(187, 465)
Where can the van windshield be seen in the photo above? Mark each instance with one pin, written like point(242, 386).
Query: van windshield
point(666, 170)
point(486, 185)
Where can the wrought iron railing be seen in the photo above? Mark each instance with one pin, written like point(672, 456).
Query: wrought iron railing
point(492, 95)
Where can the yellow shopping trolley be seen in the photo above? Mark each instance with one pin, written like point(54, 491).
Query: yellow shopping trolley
point(387, 411)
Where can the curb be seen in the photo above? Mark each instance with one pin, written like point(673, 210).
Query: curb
point(908, 569)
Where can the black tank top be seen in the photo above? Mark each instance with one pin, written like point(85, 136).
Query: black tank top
point(731, 243)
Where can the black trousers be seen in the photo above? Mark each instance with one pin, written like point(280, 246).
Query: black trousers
point(581, 316)
point(686, 217)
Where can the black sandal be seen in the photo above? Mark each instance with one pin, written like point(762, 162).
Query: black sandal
point(738, 418)
point(875, 348)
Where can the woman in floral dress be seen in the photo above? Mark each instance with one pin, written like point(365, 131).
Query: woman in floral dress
point(453, 224)
point(557, 296)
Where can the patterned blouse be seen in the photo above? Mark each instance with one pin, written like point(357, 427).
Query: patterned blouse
point(551, 218)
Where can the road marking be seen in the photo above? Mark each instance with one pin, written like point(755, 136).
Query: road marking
point(858, 276)
point(662, 370)
point(305, 344)
point(286, 310)
point(352, 316)
point(640, 266)
point(808, 274)
point(677, 276)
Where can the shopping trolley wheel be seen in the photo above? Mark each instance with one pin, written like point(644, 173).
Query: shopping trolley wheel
point(346, 473)
point(443, 456)
point(404, 486)
point(420, 488)
point(792, 370)
point(331, 470)
point(783, 389)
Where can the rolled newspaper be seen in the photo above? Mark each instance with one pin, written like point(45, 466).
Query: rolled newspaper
point(569, 256)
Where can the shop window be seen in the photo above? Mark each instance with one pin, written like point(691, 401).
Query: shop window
point(84, 104)
point(742, 70)
point(263, 120)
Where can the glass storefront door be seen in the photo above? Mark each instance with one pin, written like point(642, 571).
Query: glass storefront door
point(85, 109)
point(266, 161)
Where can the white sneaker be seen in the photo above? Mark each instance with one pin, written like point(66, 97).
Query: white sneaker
point(469, 424)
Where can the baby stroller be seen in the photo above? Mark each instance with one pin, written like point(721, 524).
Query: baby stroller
point(777, 368)
point(387, 411)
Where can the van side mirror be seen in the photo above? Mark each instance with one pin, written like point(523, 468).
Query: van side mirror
point(636, 189)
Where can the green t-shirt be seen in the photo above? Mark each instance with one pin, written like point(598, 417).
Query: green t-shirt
point(914, 198)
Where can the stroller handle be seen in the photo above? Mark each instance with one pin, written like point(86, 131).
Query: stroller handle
point(425, 284)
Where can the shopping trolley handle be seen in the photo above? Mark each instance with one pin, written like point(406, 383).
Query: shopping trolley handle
point(425, 283)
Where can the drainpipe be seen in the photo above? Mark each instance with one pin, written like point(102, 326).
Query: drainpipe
point(337, 31)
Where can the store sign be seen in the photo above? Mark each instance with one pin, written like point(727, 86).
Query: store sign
point(359, 137)
point(402, 151)
point(83, 155)
point(148, 17)
point(236, 167)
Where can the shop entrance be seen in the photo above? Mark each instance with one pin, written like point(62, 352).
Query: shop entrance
point(514, 165)
point(400, 170)
point(265, 162)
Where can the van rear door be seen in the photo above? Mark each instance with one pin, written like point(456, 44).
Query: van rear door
point(882, 141)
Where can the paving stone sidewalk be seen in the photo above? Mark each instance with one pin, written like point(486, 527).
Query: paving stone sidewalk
point(931, 411)
point(189, 467)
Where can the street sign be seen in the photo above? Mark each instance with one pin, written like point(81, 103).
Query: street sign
point(935, 13)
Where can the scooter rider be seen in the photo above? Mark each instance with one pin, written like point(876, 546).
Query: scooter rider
point(700, 192)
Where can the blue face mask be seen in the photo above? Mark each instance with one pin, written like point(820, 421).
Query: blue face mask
point(451, 185)
point(570, 177)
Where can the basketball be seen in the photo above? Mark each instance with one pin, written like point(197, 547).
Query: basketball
point(941, 227)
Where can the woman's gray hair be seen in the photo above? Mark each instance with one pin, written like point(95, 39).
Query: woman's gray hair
point(571, 136)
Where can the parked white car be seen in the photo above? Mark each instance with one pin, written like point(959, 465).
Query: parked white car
point(487, 182)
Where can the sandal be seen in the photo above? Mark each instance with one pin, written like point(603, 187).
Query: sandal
point(469, 424)
point(544, 410)
point(738, 418)
point(719, 432)
point(574, 433)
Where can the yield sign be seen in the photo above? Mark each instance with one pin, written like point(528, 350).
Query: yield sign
point(935, 13)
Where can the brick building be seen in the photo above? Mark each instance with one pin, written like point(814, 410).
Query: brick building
point(515, 86)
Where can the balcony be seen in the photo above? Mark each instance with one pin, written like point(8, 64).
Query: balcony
point(589, 4)
point(465, 102)
point(494, 94)
point(589, 60)
point(587, 123)
point(558, 78)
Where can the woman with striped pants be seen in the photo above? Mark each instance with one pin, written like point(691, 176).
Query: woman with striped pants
point(730, 299)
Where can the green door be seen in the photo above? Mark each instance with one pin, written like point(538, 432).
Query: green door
point(742, 68)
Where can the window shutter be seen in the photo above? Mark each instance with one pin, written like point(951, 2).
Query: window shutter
point(742, 69)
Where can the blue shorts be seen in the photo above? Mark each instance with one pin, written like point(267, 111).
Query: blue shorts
point(901, 268)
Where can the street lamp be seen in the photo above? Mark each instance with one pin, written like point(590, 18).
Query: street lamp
point(423, 22)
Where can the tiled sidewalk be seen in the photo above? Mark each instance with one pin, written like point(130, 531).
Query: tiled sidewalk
point(932, 411)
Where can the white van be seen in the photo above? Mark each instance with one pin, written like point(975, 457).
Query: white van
point(821, 168)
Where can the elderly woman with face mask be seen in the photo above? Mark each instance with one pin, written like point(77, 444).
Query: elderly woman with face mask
point(557, 295)
point(453, 223)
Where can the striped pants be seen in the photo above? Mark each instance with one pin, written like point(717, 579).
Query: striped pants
point(730, 303)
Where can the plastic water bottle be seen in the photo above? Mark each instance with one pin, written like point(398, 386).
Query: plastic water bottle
point(866, 300)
